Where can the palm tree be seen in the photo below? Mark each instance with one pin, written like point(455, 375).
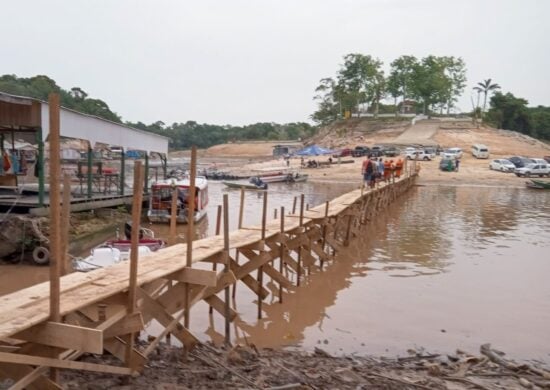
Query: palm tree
point(486, 87)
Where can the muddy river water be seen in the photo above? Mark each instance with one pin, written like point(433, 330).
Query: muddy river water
point(443, 268)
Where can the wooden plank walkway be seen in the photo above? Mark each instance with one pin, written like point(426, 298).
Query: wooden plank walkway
point(299, 245)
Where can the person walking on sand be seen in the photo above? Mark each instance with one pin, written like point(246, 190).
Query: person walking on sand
point(457, 163)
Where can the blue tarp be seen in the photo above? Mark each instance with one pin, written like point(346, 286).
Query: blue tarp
point(313, 150)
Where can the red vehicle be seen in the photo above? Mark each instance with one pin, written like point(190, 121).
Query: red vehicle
point(342, 153)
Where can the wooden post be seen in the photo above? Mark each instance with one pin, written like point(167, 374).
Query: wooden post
point(307, 206)
point(299, 272)
point(348, 230)
point(190, 227)
point(65, 223)
point(261, 268)
point(274, 213)
point(282, 253)
point(174, 216)
point(241, 208)
point(134, 252)
point(226, 267)
point(325, 231)
point(55, 212)
point(218, 226)
point(294, 205)
point(241, 212)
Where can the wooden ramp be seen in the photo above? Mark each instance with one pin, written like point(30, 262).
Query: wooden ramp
point(94, 304)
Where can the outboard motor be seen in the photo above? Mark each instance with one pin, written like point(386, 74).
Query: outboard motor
point(128, 230)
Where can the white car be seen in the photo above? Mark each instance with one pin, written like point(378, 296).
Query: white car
point(418, 155)
point(453, 153)
point(533, 170)
point(502, 165)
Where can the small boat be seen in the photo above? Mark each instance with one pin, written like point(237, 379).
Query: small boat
point(160, 201)
point(245, 185)
point(538, 184)
point(114, 251)
point(297, 178)
point(275, 175)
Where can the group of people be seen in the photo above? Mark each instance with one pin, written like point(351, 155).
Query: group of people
point(374, 169)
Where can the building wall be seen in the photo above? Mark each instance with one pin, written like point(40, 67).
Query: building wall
point(96, 130)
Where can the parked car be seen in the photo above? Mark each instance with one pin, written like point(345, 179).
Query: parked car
point(502, 165)
point(533, 170)
point(519, 162)
point(431, 151)
point(447, 164)
point(455, 153)
point(418, 155)
point(360, 151)
point(409, 149)
point(377, 151)
point(392, 151)
point(342, 153)
point(538, 161)
point(480, 151)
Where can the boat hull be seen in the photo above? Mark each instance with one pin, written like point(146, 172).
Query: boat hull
point(163, 216)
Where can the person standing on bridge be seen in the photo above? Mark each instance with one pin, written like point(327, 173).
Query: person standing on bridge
point(367, 170)
point(398, 167)
point(381, 168)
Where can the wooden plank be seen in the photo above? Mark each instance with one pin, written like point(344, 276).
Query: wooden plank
point(118, 347)
point(164, 318)
point(132, 323)
point(277, 276)
point(219, 305)
point(64, 336)
point(19, 372)
point(56, 363)
point(195, 276)
point(257, 246)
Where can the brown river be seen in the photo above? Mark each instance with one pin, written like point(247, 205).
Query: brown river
point(443, 268)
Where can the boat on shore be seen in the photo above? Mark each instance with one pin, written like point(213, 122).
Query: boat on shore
point(280, 175)
point(245, 185)
point(538, 184)
point(160, 201)
point(116, 250)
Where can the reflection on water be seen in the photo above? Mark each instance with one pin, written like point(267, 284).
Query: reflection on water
point(443, 268)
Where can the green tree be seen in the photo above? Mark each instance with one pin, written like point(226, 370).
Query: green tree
point(430, 85)
point(359, 77)
point(509, 112)
point(487, 88)
point(400, 82)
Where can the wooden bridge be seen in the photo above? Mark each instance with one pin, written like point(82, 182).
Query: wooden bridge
point(94, 305)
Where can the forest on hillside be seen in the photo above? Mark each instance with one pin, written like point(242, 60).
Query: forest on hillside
point(430, 85)
point(182, 135)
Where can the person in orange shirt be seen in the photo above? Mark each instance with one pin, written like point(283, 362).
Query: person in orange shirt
point(387, 170)
point(398, 167)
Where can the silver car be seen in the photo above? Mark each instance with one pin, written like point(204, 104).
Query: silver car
point(502, 165)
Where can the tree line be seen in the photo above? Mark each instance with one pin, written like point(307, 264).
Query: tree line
point(434, 82)
point(182, 135)
point(39, 87)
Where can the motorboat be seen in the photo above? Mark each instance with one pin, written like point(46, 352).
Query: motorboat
point(256, 184)
point(116, 250)
point(160, 201)
point(280, 175)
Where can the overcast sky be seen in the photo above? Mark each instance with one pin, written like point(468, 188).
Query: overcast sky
point(238, 62)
